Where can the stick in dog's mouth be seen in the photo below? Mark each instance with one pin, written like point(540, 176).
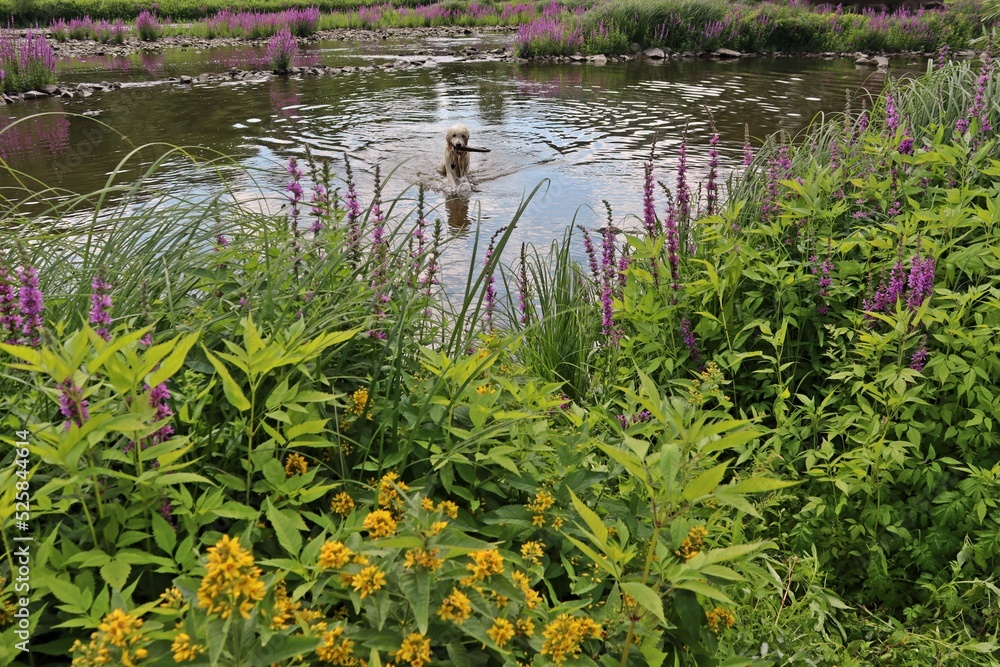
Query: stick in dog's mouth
point(470, 149)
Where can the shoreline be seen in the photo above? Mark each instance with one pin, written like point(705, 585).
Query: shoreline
point(73, 49)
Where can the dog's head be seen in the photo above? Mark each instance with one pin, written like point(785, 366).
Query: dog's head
point(457, 137)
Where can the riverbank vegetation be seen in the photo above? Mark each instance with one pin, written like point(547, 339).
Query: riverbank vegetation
point(755, 427)
point(557, 28)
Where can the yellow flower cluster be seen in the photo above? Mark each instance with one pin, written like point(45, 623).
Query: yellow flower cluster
point(719, 617)
point(531, 596)
point(232, 581)
point(501, 632)
point(565, 635)
point(333, 555)
point(379, 524)
point(284, 608)
point(526, 627)
point(369, 580)
point(484, 564)
point(388, 495)
point(416, 650)
point(337, 651)
point(184, 650)
point(358, 401)
point(487, 388)
point(532, 551)
point(171, 599)
point(693, 543)
point(7, 612)
point(114, 643)
point(295, 464)
point(543, 501)
point(425, 558)
point(456, 607)
point(342, 504)
point(449, 508)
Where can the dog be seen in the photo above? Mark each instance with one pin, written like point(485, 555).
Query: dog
point(455, 163)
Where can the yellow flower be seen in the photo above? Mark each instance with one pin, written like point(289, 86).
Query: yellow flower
point(232, 581)
point(368, 581)
point(334, 555)
point(484, 564)
point(487, 388)
point(526, 627)
point(380, 524)
point(543, 500)
point(456, 607)
point(427, 504)
point(183, 649)
point(388, 496)
point(342, 504)
point(693, 543)
point(501, 632)
point(172, 598)
point(438, 526)
point(449, 508)
point(538, 520)
point(558, 522)
point(359, 399)
point(284, 608)
point(416, 650)
point(337, 652)
point(532, 551)
point(295, 464)
point(719, 616)
point(564, 636)
point(424, 558)
point(531, 596)
point(113, 643)
point(118, 627)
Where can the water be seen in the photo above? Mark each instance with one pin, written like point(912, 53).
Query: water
point(584, 129)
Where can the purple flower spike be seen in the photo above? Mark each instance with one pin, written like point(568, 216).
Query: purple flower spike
point(921, 281)
point(712, 190)
point(919, 358)
point(10, 319)
point(31, 305)
point(690, 342)
point(100, 305)
point(72, 405)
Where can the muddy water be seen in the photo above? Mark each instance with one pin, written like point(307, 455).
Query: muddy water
point(584, 130)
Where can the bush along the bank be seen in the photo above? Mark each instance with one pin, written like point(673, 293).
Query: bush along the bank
point(751, 431)
point(26, 62)
point(281, 50)
point(683, 25)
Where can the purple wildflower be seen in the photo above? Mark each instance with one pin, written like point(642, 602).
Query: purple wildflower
point(10, 320)
point(588, 246)
point(100, 305)
point(673, 248)
point(353, 216)
point(281, 50)
point(921, 281)
point(31, 305)
point(167, 512)
point(682, 189)
point(522, 286)
point(648, 210)
point(712, 190)
point(919, 358)
point(747, 150)
point(942, 56)
point(72, 405)
point(690, 342)
point(380, 248)
point(320, 206)
point(158, 397)
point(295, 188)
point(891, 114)
point(906, 146)
point(491, 294)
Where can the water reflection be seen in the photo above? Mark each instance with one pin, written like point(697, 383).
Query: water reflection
point(457, 207)
point(34, 141)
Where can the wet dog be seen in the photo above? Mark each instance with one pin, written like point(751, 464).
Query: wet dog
point(455, 163)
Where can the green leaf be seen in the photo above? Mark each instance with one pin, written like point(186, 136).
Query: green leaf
point(416, 588)
point(646, 597)
point(593, 521)
point(629, 460)
point(704, 590)
point(164, 536)
point(759, 485)
point(232, 390)
point(284, 647)
point(283, 522)
point(116, 573)
point(174, 361)
point(706, 482)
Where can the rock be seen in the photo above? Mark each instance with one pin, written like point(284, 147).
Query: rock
point(578, 57)
point(599, 59)
point(85, 92)
point(634, 47)
point(66, 94)
point(49, 89)
point(966, 53)
point(654, 53)
point(882, 62)
point(186, 79)
point(726, 53)
point(33, 95)
point(864, 60)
